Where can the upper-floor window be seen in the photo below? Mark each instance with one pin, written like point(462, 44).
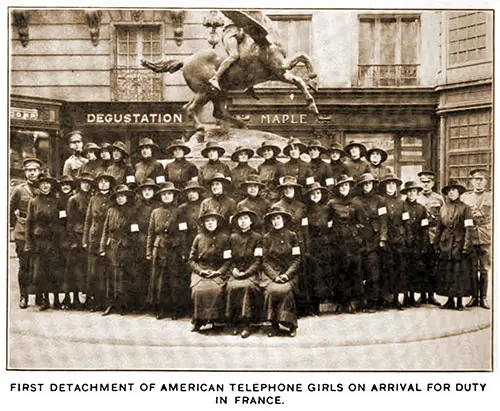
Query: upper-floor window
point(388, 51)
point(467, 37)
point(132, 82)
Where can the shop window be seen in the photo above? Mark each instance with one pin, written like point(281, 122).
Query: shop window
point(132, 82)
point(468, 143)
point(388, 51)
point(467, 41)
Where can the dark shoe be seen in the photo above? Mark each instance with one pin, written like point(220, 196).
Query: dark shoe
point(273, 331)
point(235, 331)
point(292, 332)
point(484, 304)
point(412, 302)
point(107, 311)
point(57, 305)
point(423, 299)
point(473, 302)
point(23, 303)
point(431, 300)
point(38, 299)
point(351, 309)
point(196, 328)
point(245, 333)
point(460, 306)
point(397, 305)
point(45, 306)
point(450, 304)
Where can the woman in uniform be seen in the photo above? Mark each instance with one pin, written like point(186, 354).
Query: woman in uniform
point(321, 170)
point(148, 166)
point(180, 171)
point(240, 173)
point(453, 243)
point(280, 266)
point(268, 170)
point(42, 237)
point(253, 200)
point(189, 212)
point(209, 261)
point(243, 293)
point(120, 168)
point(295, 166)
point(376, 158)
point(219, 199)
point(213, 152)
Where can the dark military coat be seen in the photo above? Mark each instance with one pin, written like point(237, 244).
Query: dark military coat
point(19, 199)
point(396, 233)
point(432, 202)
point(93, 167)
point(357, 167)
point(208, 170)
point(321, 171)
point(77, 210)
point(347, 219)
point(43, 229)
point(143, 215)
point(337, 168)
point(239, 174)
point(180, 171)
point(374, 215)
point(189, 213)
point(94, 221)
point(378, 171)
point(246, 254)
point(268, 175)
point(295, 167)
point(120, 171)
point(148, 168)
point(222, 204)
point(416, 227)
point(163, 231)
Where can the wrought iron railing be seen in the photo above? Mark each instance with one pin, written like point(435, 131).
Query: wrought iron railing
point(136, 84)
point(385, 75)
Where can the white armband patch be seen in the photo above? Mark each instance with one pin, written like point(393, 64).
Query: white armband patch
point(382, 211)
point(160, 179)
point(309, 180)
point(330, 224)
point(469, 223)
point(258, 252)
point(329, 181)
point(295, 250)
point(62, 214)
point(424, 223)
point(130, 179)
point(183, 226)
point(304, 222)
point(227, 254)
point(134, 228)
point(406, 216)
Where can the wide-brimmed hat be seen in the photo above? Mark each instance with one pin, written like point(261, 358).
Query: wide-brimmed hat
point(391, 177)
point(105, 147)
point(317, 144)
point(192, 185)
point(147, 142)
point(178, 143)
point(167, 187)
point(240, 149)
point(409, 185)
point(251, 214)
point(344, 178)
point(294, 142)
point(336, 147)
point(428, 173)
point(383, 153)
point(288, 181)
point(122, 189)
point(316, 186)
point(68, 180)
point(252, 179)
point(219, 177)
point(275, 210)
point(32, 162)
point(105, 175)
point(85, 176)
point(47, 177)
point(366, 177)
point(212, 145)
point(90, 146)
point(148, 182)
point(120, 145)
point(353, 143)
point(453, 184)
point(265, 145)
point(76, 135)
point(484, 171)
point(211, 213)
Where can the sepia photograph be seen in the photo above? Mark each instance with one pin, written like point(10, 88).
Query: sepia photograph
point(216, 189)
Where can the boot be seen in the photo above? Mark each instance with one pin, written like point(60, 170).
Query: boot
point(273, 330)
point(473, 302)
point(45, 303)
point(433, 301)
point(196, 327)
point(292, 332)
point(38, 299)
point(449, 305)
point(66, 302)
point(483, 290)
point(483, 303)
point(396, 304)
point(406, 303)
point(246, 332)
point(460, 305)
point(423, 299)
point(57, 303)
point(23, 303)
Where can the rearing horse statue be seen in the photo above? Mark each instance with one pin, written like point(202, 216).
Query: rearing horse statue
point(260, 59)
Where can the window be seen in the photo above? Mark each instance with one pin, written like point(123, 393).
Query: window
point(132, 81)
point(388, 51)
point(466, 37)
point(469, 143)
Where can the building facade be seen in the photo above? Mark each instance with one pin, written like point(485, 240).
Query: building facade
point(418, 84)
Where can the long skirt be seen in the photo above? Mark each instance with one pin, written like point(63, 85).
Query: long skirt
point(168, 289)
point(455, 277)
point(97, 279)
point(428, 280)
point(244, 301)
point(349, 277)
point(419, 272)
point(279, 304)
point(320, 281)
point(75, 276)
point(208, 300)
point(44, 263)
point(393, 263)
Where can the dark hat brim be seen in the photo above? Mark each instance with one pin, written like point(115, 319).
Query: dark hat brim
point(219, 217)
point(247, 183)
point(446, 189)
point(220, 149)
point(167, 190)
point(374, 180)
point(275, 149)
point(302, 148)
point(105, 176)
point(234, 156)
point(321, 148)
point(352, 183)
point(404, 190)
point(322, 189)
point(51, 180)
point(129, 193)
point(396, 180)
point(169, 151)
point(121, 149)
point(252, 214)
point(383, 154)
point(282, 186)
point(336, 149)
point(286, 216)
point(146, 185)
point(361, 147)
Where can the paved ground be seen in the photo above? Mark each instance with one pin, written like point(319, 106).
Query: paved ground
point(425, 338)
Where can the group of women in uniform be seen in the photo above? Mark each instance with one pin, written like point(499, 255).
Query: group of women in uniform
point(240, 246)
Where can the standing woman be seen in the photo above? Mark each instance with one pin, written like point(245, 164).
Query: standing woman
point(219, 200)
point(104, 158)
point(321, 170)
point(91, 152)
point(97, 269)
point(280, 265)
point(168, 292)
point(189, 212)
point(42, 237)
point(120, 168)
point(75, 277)
point(376, 159)
point(240, 173)
point(148, 166)
point(243, 292)
point(295, 166)
point(180, 171)
point(269, 171)
point(253, 200)
point(454, 246)
point(213, 152)
point(209, 261)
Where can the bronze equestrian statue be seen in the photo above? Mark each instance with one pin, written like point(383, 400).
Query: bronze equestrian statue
point(254, 56)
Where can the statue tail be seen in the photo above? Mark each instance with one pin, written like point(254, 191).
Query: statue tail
point(163, 66)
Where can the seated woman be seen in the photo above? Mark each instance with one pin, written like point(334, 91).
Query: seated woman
point(209, 261)
point(243, 292)
point(280, 266)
